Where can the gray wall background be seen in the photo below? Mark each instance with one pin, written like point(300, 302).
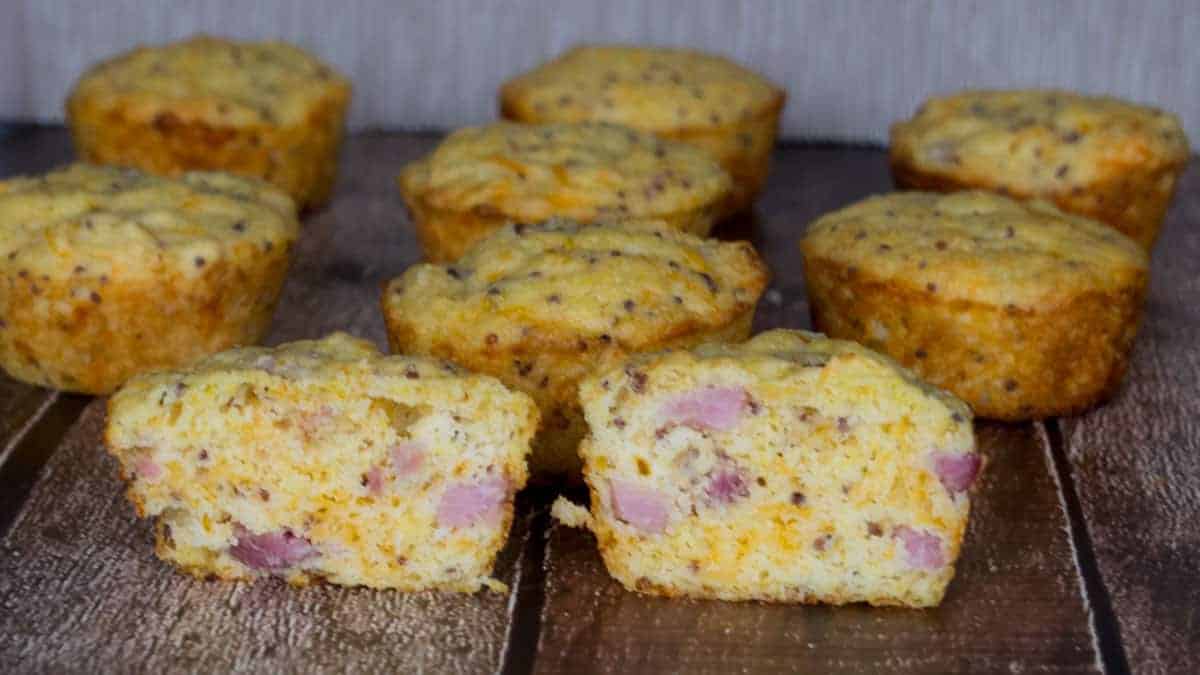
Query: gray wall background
point(850, 67)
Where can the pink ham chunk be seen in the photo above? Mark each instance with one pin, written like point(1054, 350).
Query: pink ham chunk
point(406, 460)
point(407, 457)
point(727, 484)
point(270, 551)
point(465, 504)
point(715, 408)
point(642, 507)
point(148, 470)
point(373, 481)
point(922, 549)
point(956, 470)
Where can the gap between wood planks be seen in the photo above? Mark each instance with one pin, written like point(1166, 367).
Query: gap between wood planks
point(1106, 630)
point(30, 450)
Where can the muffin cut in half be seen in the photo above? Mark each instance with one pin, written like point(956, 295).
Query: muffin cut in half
point(1018, 308)
point(263, 109)
point(791, 468)
point(106, 273)
point(542, 306)
point(701, 99)
point(1095, 156)
point(325, 460)
point(480, 178)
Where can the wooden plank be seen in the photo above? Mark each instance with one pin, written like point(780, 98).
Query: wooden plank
point(1015, 604)
point(81, 589)
point(20, 405)
point(1136, 463)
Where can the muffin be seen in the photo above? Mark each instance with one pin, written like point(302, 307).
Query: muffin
point(1094, 156)
point(791, 468)
point(689, 96)
point(263, 109)
point(325, 460)
point(480, 178)
point(1018, 308)
point(106, 272)
point(542, 306)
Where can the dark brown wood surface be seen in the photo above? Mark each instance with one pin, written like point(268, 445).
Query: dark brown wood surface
point(1080, 554)
point(1015, 602)
point(1136, 464)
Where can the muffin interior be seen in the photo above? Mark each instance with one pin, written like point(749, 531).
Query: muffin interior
point(793, 468)
point(323, 459)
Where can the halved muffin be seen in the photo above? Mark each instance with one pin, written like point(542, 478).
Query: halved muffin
point(790, 468)
point(325, 460)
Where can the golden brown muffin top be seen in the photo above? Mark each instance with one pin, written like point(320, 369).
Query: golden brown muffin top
point(215, 80)
point(976, 246)
point(338, 363)
point(631, 283)
point(785, 358)
point(650, 88)
point(1027, 140)
point(532, 172)
point(97, 219)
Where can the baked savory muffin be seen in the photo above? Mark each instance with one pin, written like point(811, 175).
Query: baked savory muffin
point(790, 468)
point(1018, 308)
point(263, 109)
point(542, 306)
point(701, 99)
point(106, 272)
point(325, 460)
point(480, 178)
point(1095, 156)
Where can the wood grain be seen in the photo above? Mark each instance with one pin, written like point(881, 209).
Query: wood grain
point(1136, 463)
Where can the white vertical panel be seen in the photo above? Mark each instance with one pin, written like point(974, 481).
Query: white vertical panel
point(851, 67)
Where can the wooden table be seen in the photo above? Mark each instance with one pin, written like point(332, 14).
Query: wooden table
point(1082, 552)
